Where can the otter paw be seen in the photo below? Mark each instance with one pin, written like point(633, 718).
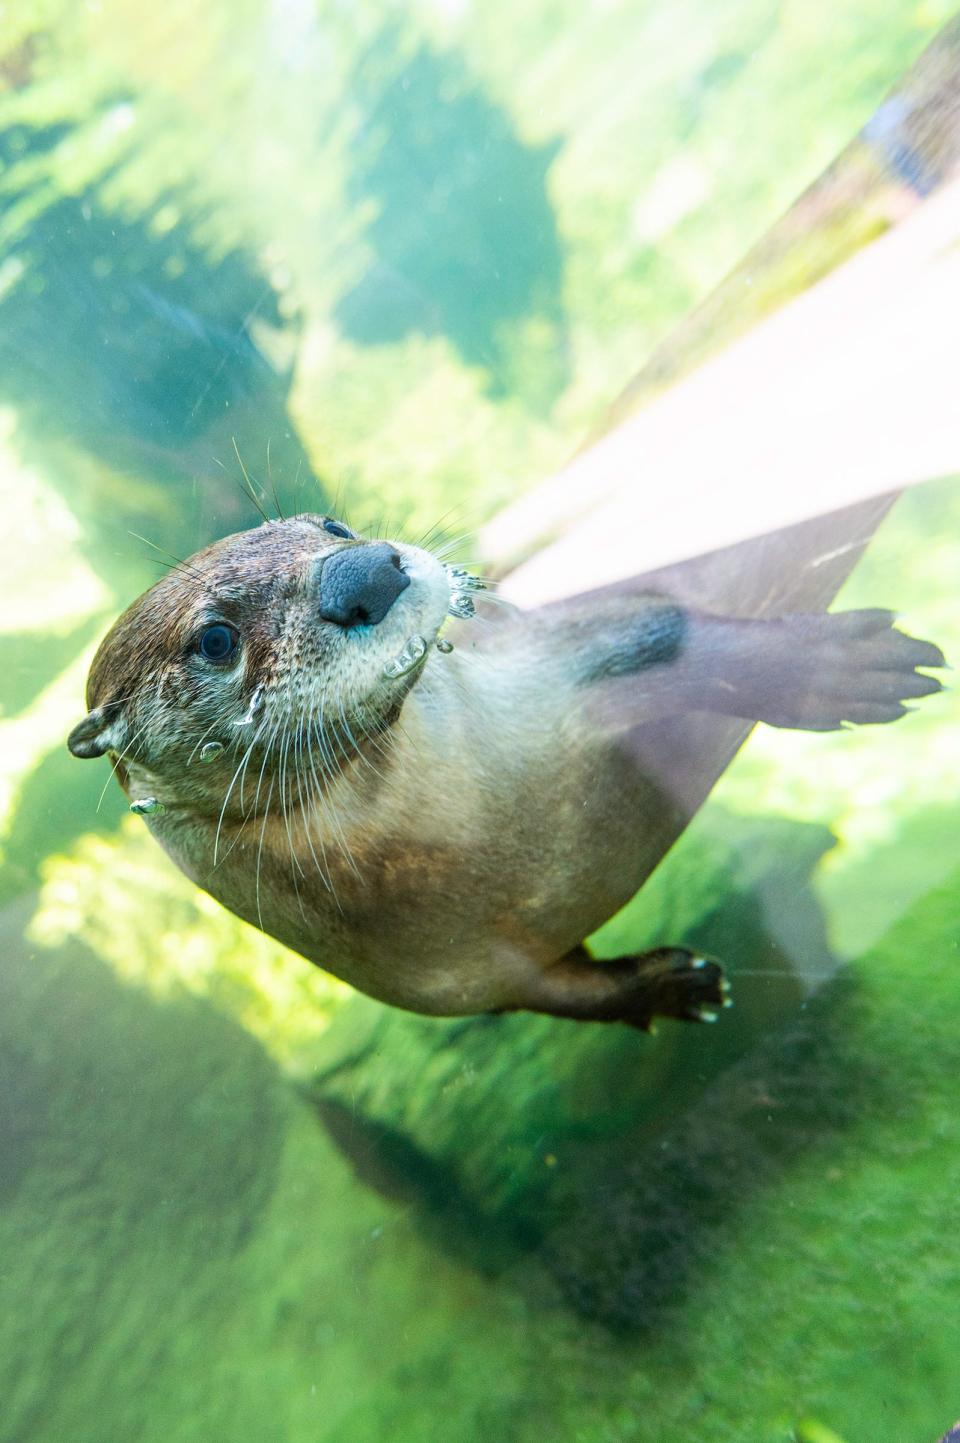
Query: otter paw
point(852, 667)
point(675, 982)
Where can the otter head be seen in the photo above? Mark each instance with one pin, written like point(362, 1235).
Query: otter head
point(299, 639)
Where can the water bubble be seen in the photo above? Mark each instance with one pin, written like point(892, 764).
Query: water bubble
point(461, 580)
point(413, 653)
point(210, 750)
point(445, 646)
point(147, 807)
point(462, 583)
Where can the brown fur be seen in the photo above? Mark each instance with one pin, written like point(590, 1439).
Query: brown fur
point(445, 841)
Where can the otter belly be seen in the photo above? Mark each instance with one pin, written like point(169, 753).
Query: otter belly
point(445, 916)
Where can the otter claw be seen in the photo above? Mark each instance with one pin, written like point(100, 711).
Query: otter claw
point(674, 982)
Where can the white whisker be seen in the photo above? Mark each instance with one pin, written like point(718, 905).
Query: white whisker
point(263, 832)
point(116, 762)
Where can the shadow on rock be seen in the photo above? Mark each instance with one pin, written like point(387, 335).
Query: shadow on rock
point(464, 235)
point(639, 1222)
point(591, 1154)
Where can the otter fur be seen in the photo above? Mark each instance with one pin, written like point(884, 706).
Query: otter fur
point(442, 831)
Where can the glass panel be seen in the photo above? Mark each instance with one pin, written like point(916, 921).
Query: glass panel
point(395, 266)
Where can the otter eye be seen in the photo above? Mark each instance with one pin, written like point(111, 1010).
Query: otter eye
point(218, 642)
point(337, 528)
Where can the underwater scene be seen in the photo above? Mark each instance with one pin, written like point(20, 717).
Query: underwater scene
point(419, 268)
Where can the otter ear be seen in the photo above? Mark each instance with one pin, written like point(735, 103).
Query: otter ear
point(103, 730)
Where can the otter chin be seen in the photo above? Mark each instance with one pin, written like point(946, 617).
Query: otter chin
point(443, 830)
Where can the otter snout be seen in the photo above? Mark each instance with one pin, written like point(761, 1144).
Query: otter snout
point(359, 584)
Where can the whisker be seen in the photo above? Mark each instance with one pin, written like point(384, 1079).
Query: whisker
point(263, 832)
point(502, 601)
point(437, 527)
point(284, 758)
point(353, 741)
point(332, 771)
point(173, 563)
point(449, 547)
point(115, 763)
point(312, 798)
point(273, 486)
point(252, 494)
point(296, 867)
point(241, 768)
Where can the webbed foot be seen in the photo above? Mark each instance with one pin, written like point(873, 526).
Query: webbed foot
point(665, 982)
point(671, 982)
point(846, 667)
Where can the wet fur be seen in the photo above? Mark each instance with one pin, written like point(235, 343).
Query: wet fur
point(445, 841)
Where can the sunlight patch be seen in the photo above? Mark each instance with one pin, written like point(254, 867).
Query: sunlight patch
point(48, 586)
point(121, 897)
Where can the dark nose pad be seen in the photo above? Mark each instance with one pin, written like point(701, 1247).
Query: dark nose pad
point(359, 584)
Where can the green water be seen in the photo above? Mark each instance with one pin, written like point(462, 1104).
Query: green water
point(399, 260)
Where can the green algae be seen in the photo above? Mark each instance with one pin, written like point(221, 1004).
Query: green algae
point(208, 1265)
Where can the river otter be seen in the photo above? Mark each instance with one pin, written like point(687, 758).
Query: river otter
point(443, 831)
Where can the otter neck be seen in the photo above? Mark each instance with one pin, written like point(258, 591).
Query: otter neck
point(248, 777)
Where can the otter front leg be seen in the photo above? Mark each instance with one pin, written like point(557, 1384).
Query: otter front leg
point(813, 672)
point(666, 982)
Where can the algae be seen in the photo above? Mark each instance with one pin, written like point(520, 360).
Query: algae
point(208, 1265)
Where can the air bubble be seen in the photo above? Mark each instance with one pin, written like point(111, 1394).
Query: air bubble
point(147, 807)
point(462, 583)
point(412, 654)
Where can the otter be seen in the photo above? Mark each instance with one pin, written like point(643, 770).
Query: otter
point(442, 826)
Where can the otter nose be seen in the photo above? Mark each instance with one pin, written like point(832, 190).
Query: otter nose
point(359, 584)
